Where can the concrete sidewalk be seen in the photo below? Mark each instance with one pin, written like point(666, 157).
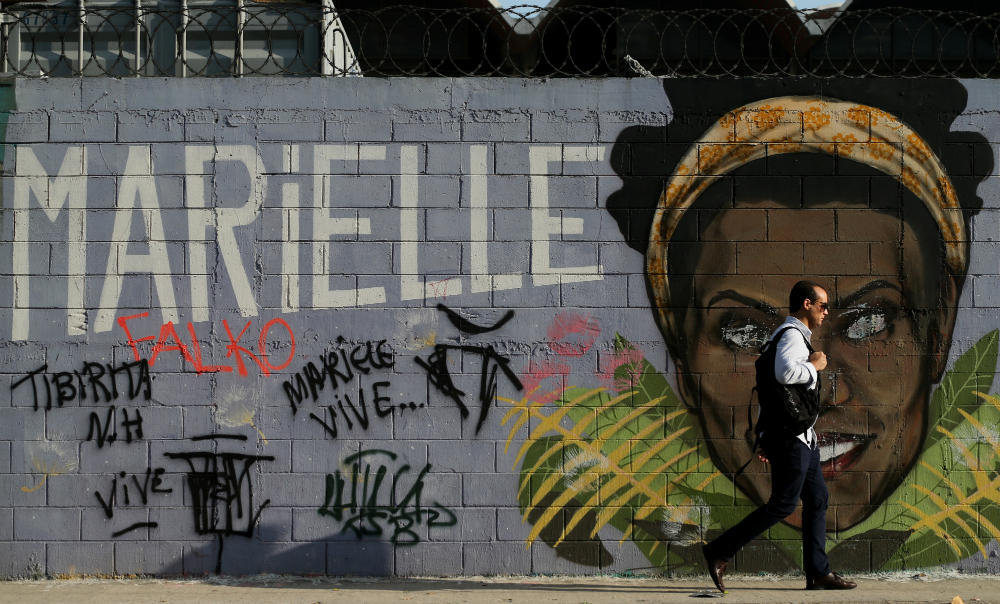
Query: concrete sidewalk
point(880, 588)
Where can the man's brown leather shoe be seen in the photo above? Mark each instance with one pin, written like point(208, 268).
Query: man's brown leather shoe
point(716, 568)
point(831, 581)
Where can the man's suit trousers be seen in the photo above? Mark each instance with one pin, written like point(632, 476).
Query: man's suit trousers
point(795, 474)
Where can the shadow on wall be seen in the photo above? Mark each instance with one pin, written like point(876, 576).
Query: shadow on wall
point(332, 555)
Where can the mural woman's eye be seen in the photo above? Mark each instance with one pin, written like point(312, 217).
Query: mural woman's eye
point(867, 323)
point(744, 333)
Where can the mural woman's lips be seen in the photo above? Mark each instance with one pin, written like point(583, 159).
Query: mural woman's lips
point(839, 452)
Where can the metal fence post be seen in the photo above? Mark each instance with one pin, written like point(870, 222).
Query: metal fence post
point(182, 43)
point(6, 20)
point(79, 38)
point(327, 57)
point(238, 53)
point(138, 37)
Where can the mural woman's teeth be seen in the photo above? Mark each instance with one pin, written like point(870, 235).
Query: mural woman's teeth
point(836, 450)
point(832, 445)
point(840, 452)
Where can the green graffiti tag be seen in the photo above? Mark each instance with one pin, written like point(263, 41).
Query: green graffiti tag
point(370, 508)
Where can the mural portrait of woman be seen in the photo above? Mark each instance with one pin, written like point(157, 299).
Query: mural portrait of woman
point(862, 186)
point(884, 232)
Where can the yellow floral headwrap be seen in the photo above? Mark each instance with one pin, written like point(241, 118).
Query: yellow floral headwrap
point(796, 124)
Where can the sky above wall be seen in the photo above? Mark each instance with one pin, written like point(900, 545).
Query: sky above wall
point(799, 3)
point(812, 3)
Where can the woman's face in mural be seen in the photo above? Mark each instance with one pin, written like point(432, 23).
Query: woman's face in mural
point(881, 353)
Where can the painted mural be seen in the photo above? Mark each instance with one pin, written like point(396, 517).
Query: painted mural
point(776, 190)
point(415, 327)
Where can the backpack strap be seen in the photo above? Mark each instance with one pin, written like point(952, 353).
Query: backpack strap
point(756, 437)
point(777, 338)
point(808, 345)
point(756, 443)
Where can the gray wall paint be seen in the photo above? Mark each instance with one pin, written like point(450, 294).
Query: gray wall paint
point(420, 142)
point(340, 213)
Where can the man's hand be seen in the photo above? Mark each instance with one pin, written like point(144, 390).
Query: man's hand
point(818, 359)
point(762, 456)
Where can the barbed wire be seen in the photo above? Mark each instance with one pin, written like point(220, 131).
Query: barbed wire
point(525, 41)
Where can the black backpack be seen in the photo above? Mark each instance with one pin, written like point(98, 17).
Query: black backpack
point(787, 409)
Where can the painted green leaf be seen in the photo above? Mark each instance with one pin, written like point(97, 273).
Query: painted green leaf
point(632, 457)
point(973, 372)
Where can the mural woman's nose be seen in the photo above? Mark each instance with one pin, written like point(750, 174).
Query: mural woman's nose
point(836, 388)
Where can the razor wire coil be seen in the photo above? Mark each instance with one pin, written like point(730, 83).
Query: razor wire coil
point(527, 41)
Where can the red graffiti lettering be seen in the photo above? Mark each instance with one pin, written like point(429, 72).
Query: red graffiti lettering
point(169, 340)
point(263, 340)
point(161, 344)
point(123, 323)
point(239, 350)
point(440, 288)
point(197, 357)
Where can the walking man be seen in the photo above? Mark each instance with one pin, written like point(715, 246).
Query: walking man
point(794, 459)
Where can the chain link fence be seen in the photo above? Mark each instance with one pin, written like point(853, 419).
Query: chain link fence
point(526, 41)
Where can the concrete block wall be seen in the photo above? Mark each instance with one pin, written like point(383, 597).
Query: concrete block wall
point(404, 327)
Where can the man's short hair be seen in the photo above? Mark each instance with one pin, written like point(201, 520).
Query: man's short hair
point(802, 291)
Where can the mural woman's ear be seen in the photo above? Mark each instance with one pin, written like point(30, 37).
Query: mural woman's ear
point(943, 326)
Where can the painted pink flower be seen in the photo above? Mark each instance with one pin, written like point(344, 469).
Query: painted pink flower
point(544, 380)
point(573, 333)
point(622, 370)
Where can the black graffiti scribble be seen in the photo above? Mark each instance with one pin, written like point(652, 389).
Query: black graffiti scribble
point(108, 433)
point(151, 484)
point(439, 376)
point(222, 494)
point(359, 411)
point(466, 326)
point(336, 367)
point(102, 383)
point(136, 526)
point(219, 437)
point(372, 508)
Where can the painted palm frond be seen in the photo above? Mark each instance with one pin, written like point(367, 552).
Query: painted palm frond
point(628, 455)
point(625, 455)
point(960, 510)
